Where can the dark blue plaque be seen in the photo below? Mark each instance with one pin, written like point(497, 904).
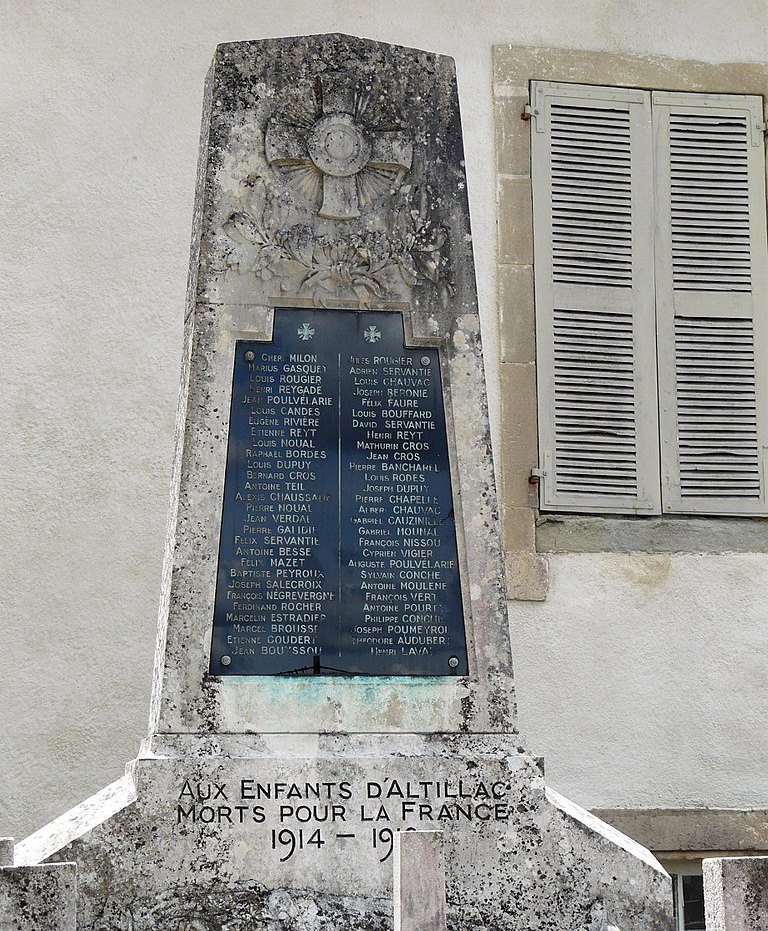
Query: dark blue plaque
point(338, 540)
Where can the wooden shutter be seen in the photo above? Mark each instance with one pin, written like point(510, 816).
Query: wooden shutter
point(711, 293)
point(595, 328)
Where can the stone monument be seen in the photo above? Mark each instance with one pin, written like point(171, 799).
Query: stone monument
point(736, 893)
point(333, 662)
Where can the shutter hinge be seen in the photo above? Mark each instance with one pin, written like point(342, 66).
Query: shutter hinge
point(536, 476)
point(758, 132)
point(536, 109)
point(529, 111)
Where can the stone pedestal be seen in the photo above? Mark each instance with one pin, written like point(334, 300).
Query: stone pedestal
point(38, 898)
point(419, 893)
point(736, 893)
point(296, 827)
point(6, 851)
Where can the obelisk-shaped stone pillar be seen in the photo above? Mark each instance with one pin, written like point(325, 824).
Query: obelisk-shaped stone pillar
point(332, 178)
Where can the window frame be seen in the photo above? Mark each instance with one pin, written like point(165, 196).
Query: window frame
point(678, 895)
point(514, 66)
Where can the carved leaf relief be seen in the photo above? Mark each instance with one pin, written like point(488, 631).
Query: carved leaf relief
point(358, 265)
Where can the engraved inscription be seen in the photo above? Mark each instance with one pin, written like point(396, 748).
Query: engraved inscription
point(338, 544)
point(295, 818)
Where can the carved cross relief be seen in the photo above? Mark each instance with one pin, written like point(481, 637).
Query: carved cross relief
point(334, 151)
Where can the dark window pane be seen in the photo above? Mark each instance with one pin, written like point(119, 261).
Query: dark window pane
point(675, 897)
point(693, 903)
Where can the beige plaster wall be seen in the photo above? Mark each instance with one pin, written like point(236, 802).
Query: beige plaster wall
point(99, 120)
point(641, 678)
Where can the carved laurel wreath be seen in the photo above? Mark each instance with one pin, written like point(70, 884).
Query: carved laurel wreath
point(321, 265)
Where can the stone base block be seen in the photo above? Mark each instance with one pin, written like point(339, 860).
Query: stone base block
point(38, 898)
point(296, 833)
point(736, 893)
point(419, 894)
point(6, 851)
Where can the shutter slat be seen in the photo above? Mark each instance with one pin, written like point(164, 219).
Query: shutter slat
point(594, 300)
point(567, 158)
point(711, 266)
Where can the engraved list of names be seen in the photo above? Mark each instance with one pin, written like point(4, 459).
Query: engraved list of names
point(338, 541)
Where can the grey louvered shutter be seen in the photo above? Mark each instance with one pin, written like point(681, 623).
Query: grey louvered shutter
point(592, 179)
point(711, 294)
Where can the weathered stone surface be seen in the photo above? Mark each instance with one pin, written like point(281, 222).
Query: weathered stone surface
point(736, 893)
point(331, 175)
point(518, 855)
point(515, 209)
point(419, 894)
point(38, 898)
point(6, 851)
point(268, 235)
point(527, 576)
point(691, 829)
point(577, 533)
point(517, 322)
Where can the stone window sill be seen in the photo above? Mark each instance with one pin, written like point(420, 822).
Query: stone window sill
point(579, 533)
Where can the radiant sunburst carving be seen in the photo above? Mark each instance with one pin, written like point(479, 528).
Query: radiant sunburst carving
point(335, 152)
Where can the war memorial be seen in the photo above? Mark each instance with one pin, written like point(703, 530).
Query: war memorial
point(333, 667)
